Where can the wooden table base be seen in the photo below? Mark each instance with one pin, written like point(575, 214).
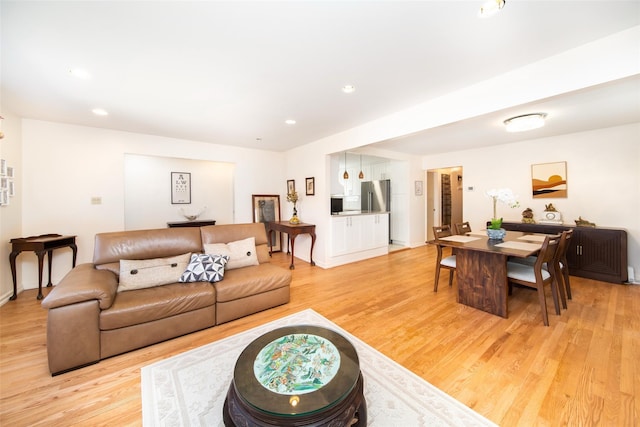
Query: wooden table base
point(350, 411)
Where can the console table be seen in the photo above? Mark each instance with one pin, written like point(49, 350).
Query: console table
point(292, 231)
point(195, 223)
point(598, 253)
point(41, 245)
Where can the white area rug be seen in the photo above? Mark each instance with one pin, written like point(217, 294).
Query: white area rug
point(189, 389)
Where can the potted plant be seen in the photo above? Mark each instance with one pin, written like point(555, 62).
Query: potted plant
point(506, 196)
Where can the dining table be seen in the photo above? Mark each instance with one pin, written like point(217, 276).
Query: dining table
point(481, 266)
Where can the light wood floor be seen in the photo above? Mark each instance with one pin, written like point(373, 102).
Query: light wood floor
point(583, 370)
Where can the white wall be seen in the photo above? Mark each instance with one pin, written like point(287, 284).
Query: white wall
point(148, 202)
point(11, 215)
point(603, 177)
point(66, 165)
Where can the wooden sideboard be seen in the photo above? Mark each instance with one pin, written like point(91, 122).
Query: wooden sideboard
point(598, 253)
point(194, 223)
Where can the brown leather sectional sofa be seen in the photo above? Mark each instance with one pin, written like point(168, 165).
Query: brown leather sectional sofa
point(88, 320)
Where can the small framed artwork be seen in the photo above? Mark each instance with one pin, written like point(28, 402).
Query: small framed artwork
point(180, 188)
point(549, 180)
point(3, 167)
point(310, 184)
point(291, 186)
point(12, 188)
point(9, 172)
point(4, 197)
point(266, 208)
point(418, 189)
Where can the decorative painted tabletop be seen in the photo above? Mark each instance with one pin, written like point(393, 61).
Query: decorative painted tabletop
point(296, 364)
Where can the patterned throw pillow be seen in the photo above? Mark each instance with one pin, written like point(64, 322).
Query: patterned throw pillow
point(204, 268)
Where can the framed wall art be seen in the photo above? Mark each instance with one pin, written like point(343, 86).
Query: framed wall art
point(310, 184)
point(549, 180)
point(266, 208)
point(291, 186)
point(418, 188)
point(180, 188)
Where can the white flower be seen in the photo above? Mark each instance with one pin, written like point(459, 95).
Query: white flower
point(503, 195)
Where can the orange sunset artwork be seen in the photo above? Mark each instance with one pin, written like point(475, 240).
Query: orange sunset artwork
point(548, 181)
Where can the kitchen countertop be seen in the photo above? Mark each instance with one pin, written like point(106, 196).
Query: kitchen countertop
point(354, 212)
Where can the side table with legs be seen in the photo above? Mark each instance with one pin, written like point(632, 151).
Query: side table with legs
point(292, 231)
point(41, 245)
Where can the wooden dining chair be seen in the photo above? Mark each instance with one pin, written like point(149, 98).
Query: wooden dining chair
point(537, 276)
point(559, 264)
point(562, 266)
point(448, 262)
point(463, 228)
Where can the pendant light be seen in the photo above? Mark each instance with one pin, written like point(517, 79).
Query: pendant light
point(361, 175)
point(345, 175)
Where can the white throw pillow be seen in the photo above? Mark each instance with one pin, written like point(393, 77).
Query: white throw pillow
point(241, 253)
point(147, 273)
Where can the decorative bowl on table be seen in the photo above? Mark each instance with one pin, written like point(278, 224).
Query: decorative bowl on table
point(496, 234)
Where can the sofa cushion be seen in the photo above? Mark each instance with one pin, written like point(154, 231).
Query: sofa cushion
point(146, 273)
point(204, 268)
point(225, 233)
point(145, 244)
point(248, 281)
point(241, 253)
point(146, 305)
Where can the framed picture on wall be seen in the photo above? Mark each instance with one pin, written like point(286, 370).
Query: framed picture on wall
point(266, 208)
point(549, 180)
point(180, 188)
point(310, 184)
point(291, 186)
point(418, 189)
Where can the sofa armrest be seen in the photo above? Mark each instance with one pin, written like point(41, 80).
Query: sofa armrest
point(83, 283)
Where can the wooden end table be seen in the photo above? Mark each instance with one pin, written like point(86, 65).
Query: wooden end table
point(292, 231)
point(41, 245)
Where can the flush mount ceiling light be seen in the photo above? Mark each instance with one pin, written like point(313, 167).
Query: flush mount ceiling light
point(525, 122)
point(100, 112)
point(290, 122)
point(490, 7)
point(348, 88)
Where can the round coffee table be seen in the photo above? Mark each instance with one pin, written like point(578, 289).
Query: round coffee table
point(297, 376)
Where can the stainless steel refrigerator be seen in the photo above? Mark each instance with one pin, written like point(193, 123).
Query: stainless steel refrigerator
point(375, 196)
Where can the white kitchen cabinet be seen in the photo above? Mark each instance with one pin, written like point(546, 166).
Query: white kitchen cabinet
point(355, 233)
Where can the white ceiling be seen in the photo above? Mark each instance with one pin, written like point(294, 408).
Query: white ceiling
point(232, 72)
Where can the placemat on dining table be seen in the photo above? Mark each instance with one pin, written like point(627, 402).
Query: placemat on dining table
point(459, 238)
point(520, 245)
point(533, 237)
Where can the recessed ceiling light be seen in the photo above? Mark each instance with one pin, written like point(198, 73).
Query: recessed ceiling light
point(80, 73)
point(490, 8)
point(100, 112)
point(525, 122)
point(348, 88)
point(290, 122)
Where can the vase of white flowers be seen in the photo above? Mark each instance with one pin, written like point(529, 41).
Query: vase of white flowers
point(293, 198)
point(506, 196)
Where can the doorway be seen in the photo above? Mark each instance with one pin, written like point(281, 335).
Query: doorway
point(444, 198)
